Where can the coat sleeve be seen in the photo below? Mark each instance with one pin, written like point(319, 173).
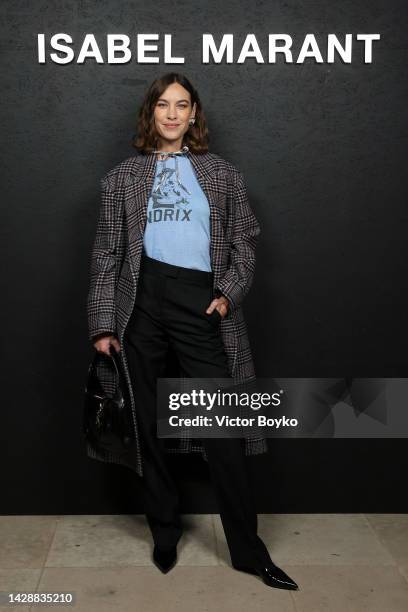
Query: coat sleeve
point(237, 281)
point(101, 294)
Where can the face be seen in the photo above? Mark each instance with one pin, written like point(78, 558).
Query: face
point(172, 113)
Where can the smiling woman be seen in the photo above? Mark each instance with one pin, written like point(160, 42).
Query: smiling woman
point(180, 288)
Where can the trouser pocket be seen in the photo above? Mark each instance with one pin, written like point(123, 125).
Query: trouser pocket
point(214, 318)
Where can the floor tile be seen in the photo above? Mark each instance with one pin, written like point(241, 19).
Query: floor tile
point(348, 588)
point(392, 531)
point(18, 581)
point(25, 540)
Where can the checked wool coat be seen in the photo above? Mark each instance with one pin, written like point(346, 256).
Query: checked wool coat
point(115, 263)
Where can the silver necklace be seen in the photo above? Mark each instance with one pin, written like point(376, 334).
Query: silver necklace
point(168, 153)
point(171, 154)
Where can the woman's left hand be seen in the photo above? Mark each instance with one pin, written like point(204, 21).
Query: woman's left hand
point(221, 304)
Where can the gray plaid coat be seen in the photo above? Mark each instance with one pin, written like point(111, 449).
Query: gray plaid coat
point(115, 263)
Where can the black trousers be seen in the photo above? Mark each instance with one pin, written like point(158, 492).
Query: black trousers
point(169, 311)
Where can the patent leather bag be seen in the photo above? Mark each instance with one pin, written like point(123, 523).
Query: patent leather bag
point(106, 420)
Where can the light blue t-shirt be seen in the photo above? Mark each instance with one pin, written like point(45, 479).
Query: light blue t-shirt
point(178, 216)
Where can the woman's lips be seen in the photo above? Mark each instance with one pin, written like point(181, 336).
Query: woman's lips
point(170, 125)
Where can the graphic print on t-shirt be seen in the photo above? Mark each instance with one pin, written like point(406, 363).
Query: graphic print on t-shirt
point(170, 201)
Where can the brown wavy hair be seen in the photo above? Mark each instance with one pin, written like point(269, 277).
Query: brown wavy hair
point(146, 139)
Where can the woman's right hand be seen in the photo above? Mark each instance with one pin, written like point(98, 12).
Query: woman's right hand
point(103, 344)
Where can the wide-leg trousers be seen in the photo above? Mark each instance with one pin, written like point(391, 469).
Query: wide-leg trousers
point(169, 312)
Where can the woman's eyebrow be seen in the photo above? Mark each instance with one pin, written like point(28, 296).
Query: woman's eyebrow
point(164, 100)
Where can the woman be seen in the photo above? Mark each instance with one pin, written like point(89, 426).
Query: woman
point(172, 261)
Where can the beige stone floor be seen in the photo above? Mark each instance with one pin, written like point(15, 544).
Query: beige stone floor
point(342, 563)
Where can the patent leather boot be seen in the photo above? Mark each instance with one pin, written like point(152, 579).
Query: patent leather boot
point(165, 560)
point(271, 575)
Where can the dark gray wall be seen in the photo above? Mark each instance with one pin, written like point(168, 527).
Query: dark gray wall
point(323, 150)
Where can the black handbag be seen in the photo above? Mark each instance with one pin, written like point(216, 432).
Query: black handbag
point(106, 420)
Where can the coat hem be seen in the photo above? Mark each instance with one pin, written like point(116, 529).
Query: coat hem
point(107, 457)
